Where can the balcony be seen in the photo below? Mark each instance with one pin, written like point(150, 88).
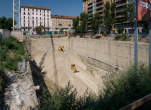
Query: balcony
point(120, 16)
point(120, 5)
point(120, 10)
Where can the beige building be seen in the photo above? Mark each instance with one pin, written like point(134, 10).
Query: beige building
point(61, 23)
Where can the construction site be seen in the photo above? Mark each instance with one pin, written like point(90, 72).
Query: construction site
point(84, 62)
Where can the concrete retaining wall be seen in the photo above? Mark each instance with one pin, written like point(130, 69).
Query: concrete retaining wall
point(4, 33)
point(18, 35)
point(116, 53)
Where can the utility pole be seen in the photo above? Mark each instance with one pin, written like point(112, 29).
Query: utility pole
point(136, 38)
point(150, 46)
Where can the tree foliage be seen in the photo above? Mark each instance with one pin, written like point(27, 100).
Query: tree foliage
point(109, 16)
point(39, 29)
point(80, 23)
point(83, 22)
point(76, 24)
point(95, 22)
point(6, 23)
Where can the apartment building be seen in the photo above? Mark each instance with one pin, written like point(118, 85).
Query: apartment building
point(61, 23)
point(92, 7)
point(97, 6)
point(121, 7)
point(33, 16)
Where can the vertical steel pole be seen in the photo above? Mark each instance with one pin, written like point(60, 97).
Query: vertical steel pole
point(136, 38)
point(150, 46)
point(13, 15)
point(19, 15)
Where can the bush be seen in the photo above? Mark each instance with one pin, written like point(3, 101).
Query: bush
point(117, 37)
point(65, 99)
point(120, 30)
point(125, 88)
point(122, 89)
point(122, 37)
point(11, 52)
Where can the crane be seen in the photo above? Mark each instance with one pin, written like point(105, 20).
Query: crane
point(16, 12)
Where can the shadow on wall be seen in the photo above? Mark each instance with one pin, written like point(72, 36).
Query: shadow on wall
point(3, 85)
point(38, 78)
point(54, 63)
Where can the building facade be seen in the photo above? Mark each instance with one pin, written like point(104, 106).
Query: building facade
point(121, 7)
point(98, 6)
point(61, 23)
point(92, 7)
point(34, 16)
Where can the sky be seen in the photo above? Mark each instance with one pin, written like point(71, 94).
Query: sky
point(61, 7)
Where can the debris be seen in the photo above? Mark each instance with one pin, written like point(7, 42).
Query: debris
point(22, 66)
point(36, 87)
point(73, 68)
point(61, 48)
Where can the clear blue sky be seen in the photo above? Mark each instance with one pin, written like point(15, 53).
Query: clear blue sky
point(63, 7)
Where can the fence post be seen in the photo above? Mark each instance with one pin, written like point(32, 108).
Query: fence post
point(136, 39)
point(149, 46)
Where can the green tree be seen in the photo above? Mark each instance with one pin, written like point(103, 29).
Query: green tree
point(6, 23)
point(39, 29)
point(76, 24)
point(107, 18)
point(83, 23)
point(120, 30)
point(113, 9)
point(9, 24)
point(95, 22)
point(130, 12)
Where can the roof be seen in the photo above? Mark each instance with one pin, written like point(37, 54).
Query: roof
point(35, 7)
point(63, 17)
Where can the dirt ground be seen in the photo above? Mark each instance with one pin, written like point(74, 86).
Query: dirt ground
point(57, 66)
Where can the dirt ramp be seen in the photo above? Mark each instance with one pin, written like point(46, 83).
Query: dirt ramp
point(57, 65)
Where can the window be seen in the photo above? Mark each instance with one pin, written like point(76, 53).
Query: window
point(33, 22)
point(60, 24)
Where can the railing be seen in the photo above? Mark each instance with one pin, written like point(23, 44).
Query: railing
point(137, 103)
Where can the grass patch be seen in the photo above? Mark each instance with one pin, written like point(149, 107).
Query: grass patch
point(12, 52)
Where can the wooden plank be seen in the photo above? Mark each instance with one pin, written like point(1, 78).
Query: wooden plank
point(137, 103)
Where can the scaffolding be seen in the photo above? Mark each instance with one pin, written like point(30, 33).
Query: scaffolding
point(16, 14)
